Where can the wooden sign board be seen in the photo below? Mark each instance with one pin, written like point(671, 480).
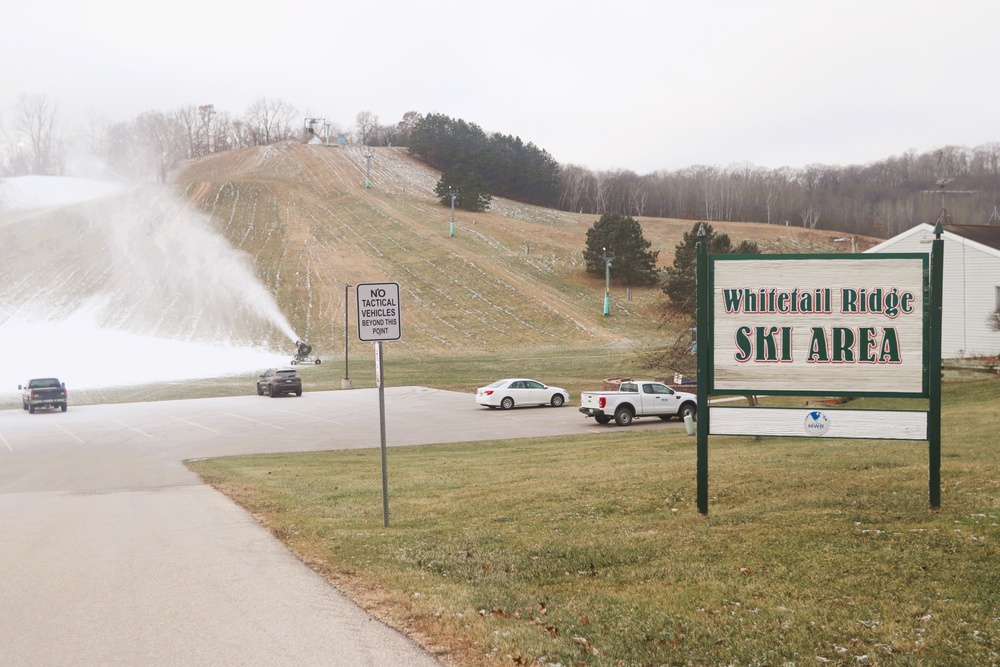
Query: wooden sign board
point(820, 423)
point(820, 325)
point(833, 325)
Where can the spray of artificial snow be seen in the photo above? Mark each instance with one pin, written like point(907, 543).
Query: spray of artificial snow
point(132, 288)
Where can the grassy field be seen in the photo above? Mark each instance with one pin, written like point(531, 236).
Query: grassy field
point(588, 550)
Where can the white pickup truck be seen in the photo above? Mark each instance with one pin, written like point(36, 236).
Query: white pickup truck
point(636, 399)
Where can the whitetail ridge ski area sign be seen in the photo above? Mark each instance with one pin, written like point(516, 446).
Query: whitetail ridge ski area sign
point(844, 325)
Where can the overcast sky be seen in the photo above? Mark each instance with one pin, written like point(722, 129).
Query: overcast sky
point(634, 84)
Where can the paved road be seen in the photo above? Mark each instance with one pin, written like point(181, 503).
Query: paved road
point(112, 552)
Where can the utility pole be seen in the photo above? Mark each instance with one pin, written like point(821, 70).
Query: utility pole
point(452, 194)
point(346, 383)
point(607, 282)
point(368, 170)
point(853, 240)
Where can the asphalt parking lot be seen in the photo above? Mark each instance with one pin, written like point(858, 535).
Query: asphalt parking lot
point(114, 553)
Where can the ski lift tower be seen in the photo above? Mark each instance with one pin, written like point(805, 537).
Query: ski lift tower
point(309, 127)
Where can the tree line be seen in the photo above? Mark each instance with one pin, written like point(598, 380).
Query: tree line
point(476, 165)
point(34, 140)
point(878, 199)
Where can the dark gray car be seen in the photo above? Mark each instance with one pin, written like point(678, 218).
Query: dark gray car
point(279, 381)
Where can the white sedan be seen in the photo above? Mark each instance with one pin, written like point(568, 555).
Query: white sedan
point(505, 394)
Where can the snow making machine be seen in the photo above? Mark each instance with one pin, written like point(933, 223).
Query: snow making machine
point(303, 352)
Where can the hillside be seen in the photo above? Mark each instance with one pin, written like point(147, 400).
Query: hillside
point(158, 263)
point(509, 278)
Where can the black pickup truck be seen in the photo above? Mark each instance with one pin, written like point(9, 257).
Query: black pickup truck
point(43, 393)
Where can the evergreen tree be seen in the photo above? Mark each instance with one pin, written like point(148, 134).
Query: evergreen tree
point(469, 186)
point(444, 142)
point(679, 282)
point(620, 236)
point(506, 165)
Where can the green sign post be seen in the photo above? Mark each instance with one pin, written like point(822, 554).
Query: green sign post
point(702, 349)
point(934, 403)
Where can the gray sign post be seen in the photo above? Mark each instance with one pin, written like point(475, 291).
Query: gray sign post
point(379, 320)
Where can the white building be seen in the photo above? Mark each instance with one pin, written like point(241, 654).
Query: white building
point(971, 284)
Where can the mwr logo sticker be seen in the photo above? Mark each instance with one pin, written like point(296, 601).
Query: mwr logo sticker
point(816, 423)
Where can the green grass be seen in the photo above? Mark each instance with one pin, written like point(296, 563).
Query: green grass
point(588, 550)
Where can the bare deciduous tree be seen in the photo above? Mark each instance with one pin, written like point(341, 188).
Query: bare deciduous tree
point(575, 183)
point(367, 122)
point(34, 121)
point(206, 130)
point(14, 159)
point(148, 146)
point(187, 118)
point(405, 126)
point(270, 120)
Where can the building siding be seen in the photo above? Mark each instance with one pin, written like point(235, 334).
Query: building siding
point(971, 279)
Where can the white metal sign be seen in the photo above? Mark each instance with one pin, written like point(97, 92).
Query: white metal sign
point(378, 312)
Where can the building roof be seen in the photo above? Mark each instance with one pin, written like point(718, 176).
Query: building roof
point(983, 237)
point(987, 235)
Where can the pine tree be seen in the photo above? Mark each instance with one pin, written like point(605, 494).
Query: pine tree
point(620, 236)
point(470, 188)
point(679, 282)
point(506, 165)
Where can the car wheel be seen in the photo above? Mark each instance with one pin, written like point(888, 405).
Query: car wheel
point(271, 392)
point(24, 405)
point(294, 362)
point(63, 407)
point(603, 419)
point(260, 390)
point(507, 403)
point(623, 416)
point(298, 393)
point(688, 409)
point(318, 362)
point(557, 400)
point(31, 408)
